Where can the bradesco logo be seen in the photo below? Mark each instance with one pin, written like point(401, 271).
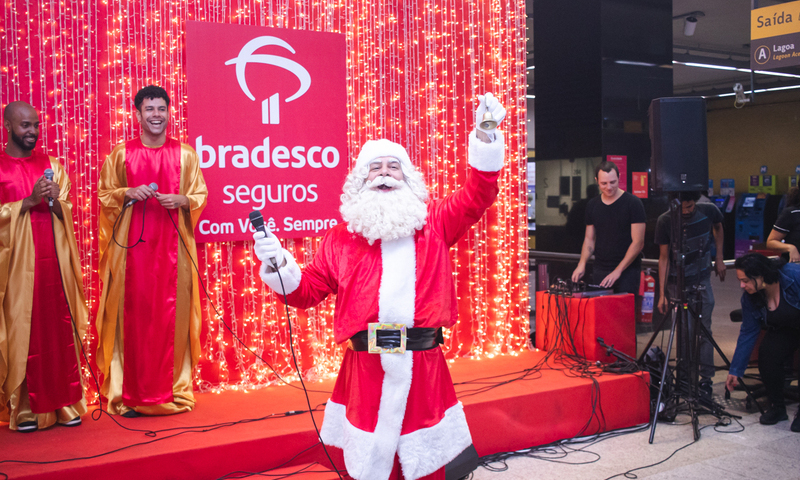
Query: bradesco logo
point(265, 155)
point(268, 118)
point(270, 107)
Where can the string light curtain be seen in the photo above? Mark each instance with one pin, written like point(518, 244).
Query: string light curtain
point(414, 71)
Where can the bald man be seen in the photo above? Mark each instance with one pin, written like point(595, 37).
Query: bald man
point(43, 312)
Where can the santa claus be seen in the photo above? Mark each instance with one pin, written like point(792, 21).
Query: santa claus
point(393, 411)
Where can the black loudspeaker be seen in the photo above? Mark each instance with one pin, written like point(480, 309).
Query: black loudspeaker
point(679, 161)
point(462, 465)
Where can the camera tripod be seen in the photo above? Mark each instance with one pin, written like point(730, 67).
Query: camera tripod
point(678, 390)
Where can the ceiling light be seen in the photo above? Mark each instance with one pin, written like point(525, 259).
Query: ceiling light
point(743, 70)
point(705, 65)
point(638, 64)
point(776, 74)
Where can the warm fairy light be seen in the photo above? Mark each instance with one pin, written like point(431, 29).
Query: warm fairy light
point(413, 71)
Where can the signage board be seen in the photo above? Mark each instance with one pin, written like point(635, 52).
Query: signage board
point(267, 115)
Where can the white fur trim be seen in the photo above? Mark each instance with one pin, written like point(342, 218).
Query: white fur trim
point(367, 455)
point(421, 453)
point(370, 455)
point(487, 157)
point(373, 149)
point(334, 424)
point(398, 281)
point(426, 450)
point(290, 273)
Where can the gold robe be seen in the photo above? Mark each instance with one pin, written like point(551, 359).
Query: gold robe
point(17, 259)
point(110, 321)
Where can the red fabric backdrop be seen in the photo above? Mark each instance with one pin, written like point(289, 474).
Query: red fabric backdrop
point(414, 69)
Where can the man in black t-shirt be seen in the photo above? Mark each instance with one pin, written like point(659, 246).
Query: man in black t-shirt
point(615, 224)
point(702, 224)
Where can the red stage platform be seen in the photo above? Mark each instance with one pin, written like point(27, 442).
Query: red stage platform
point(542, 406)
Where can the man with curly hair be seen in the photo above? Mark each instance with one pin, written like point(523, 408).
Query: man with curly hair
point(149, 318)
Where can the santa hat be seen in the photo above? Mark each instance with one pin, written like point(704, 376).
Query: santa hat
point(384, 148)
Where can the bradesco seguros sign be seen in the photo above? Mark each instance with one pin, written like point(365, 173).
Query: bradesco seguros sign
point(267, 116)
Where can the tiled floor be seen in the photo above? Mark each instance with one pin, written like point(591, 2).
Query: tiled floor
point(749, 451)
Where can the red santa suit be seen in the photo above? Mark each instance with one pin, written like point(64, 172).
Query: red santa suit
point(384, 404)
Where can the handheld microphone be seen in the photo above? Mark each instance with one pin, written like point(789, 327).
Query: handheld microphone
point(152, 185)
point(258, 223)
point(48, 174)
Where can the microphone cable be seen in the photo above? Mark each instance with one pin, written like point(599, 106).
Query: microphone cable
point(95, 416)
point(300, 375)
point(208, 296)
point(222, 319)
point(291, 345)
point(114, 227)
point(205, 290)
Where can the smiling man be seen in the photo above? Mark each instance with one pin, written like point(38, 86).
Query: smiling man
point(393, 408)
point(149, 317)
point(41, 285)
point(615, 223)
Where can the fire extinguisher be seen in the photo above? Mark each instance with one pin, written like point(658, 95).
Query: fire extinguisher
point(648, 293)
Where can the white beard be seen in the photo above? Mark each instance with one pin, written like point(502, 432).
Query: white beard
point(383, 215)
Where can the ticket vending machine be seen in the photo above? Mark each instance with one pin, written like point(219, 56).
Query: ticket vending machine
point(793, 181)
point(725, 203)
point(755, 215)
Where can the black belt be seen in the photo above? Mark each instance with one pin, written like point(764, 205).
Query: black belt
point(389, 340)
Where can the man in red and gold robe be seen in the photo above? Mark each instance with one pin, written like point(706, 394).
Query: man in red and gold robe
point(394, 414)
point(151, 192)
point(43, 312)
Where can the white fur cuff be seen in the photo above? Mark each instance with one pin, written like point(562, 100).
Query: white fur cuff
point(290, 273)
point(487, 157)
point(426, 450)
point(421, 452)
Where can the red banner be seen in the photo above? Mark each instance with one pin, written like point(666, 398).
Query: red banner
point(269, 122)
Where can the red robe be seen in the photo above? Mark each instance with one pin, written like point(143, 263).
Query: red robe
point(389, 403)
point(37, 340)
point(148, 377)
point(149, 316)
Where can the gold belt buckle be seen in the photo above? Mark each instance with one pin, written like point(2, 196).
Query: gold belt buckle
point(372, 337)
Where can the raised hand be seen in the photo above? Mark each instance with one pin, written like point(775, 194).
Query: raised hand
point(489, 103)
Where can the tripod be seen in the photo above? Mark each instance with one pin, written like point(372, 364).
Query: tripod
point(681, 381)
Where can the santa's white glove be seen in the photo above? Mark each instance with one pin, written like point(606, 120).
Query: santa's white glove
point(489, 103)
point(268, 249)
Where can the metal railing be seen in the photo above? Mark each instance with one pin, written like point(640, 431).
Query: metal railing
point(538, 255)
point(539, 264)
